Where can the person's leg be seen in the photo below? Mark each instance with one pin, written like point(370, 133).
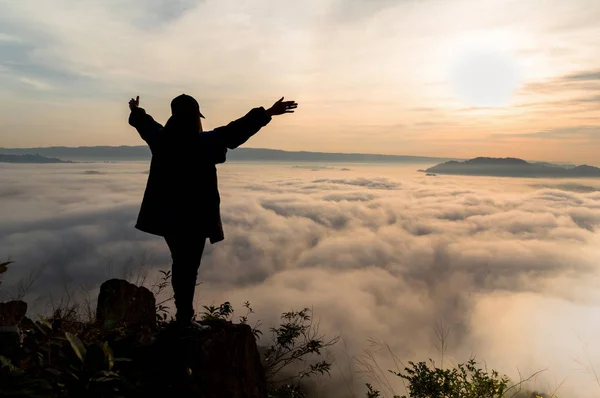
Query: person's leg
point(186, 252)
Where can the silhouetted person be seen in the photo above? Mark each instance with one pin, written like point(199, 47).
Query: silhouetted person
point(181, 201)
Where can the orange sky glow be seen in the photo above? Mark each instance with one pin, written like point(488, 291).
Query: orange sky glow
point(458, 78)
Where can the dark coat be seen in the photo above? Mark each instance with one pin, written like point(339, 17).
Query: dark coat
point(182, 195)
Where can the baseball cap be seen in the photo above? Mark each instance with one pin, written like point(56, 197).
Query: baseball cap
point(185, 104)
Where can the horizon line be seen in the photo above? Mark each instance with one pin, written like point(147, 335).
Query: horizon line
point(257, 148)
point(297, 151)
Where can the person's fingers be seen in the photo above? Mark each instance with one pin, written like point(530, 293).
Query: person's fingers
point(280, 100)
point(137, 99)
point(288, 111)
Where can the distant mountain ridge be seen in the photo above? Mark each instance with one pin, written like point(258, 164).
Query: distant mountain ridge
point(142, 152)
point(29, 158)
point(512, 167)
point(88, 153)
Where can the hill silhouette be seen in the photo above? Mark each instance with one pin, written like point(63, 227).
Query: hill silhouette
point(30, 158)
point(512, 167)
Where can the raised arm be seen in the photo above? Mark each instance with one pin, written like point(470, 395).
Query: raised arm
point(146, 126)
point(239, 131)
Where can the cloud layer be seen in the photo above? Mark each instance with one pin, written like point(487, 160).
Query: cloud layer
point(379, 252)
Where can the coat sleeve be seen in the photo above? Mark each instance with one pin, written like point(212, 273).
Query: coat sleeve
point(146, 126)
point(239, 131)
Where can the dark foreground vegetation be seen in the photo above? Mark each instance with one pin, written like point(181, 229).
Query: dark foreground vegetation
point(129, 348)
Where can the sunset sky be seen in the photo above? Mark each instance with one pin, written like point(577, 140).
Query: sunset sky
point(459, 78)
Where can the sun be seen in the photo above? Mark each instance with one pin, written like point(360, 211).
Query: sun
point(484, 68)
point(484, 79)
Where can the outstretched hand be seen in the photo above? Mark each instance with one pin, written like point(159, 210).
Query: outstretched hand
point(281, 107)
point(134, 103)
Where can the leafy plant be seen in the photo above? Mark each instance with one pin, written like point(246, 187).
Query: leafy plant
point(57, 363)
point(286, 391)
point(244, 320)
point(222, 312)
point(371, 392)
point(4, 268)
point(292, 342)
point(77, 346)
point(464, 381)
point(295, 339)
point(162, 311)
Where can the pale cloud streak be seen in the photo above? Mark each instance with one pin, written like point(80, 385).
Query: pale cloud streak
point(9, 38)
point(35, 83)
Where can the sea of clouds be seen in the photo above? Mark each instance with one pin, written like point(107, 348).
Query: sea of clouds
point(508, 266)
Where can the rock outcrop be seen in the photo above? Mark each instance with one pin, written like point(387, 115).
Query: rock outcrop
point(12, 313)
point(153, 360)
point(166, 361)
point(221, 362)
point(123, 303)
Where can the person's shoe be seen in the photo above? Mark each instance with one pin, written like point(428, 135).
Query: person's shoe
point(192, 327)
point(197, 326)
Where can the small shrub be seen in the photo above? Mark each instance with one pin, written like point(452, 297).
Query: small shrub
point(464, 381)
point(467, 380)
point(56, 363)
point(222, 312)
point(293, 341)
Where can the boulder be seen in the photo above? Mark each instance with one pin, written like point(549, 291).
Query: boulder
point(11, 335)
point(12, 312)
point(121, 303)
point(221, 362)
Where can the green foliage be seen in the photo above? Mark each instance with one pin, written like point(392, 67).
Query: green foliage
point(57, 363)
point(286, 391)
point(225, 312)
point(464, 381)
point(371, 392)
point(222, 312)
point(244, 320)
point(294, 341)
point(62, 357)
point(6, 363)
point(77, 346)
point(162, 311)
